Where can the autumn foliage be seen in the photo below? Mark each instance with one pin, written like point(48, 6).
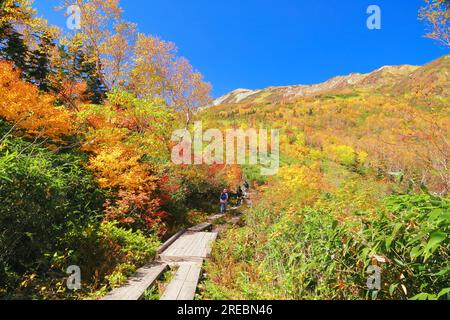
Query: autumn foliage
point(88, 118)
point(86, 177)
point(27, 109)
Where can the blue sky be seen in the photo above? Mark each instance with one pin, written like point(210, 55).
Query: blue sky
point(259, 43)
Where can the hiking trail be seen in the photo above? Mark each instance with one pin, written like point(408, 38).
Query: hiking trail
point(187, 250)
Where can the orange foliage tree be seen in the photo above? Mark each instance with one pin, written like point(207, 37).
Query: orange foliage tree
point(128, 139)
point(22, 104)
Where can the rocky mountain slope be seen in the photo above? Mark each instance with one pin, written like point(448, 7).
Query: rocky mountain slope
point(431, 79)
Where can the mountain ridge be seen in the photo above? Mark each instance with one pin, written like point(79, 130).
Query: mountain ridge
point(431, 78)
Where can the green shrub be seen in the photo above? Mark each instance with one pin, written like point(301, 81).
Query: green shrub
point(44, 197)
point(128, 246)
point(253, 175)
point(309, 254)
point(415, 236)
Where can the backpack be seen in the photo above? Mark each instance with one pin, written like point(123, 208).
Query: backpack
point(224, 197)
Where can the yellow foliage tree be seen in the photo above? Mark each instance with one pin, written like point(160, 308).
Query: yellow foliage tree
point(436, 14)
point(158, 71)
point(304, 182)
point(119, 167)
point(106, 38)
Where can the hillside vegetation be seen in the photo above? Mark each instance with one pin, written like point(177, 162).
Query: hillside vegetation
point(364, 181)
point(87, 178)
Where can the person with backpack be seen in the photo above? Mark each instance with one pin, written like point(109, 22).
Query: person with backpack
point(224, 198)
point(240, 196)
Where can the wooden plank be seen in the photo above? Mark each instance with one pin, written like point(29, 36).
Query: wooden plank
point(186, 242)
point(192, 244)
point(169, 242)
point(189, 252)
point(204, 244)
point(180, 246)
point(184, 284)
point(201, 227)
point(213, 239)
point(197, 243)
point(190, 247)
point(173, 289)
point(235, 220)
point(216, 217)
point(187, 292)
point(182, 273)
point(189, 288)
point(194, 273)
point(135, 288)
point(208, 249)
point(179, 259)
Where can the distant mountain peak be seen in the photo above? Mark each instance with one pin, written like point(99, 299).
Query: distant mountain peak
point(385, 78)
point(237, 96)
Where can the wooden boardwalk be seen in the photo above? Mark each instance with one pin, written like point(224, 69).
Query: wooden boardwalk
point(141, 281)
point(201, 227)
point(184, 285)
point(188, 249)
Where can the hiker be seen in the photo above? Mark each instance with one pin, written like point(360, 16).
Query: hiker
point(240, 195)
point(246, 186)
point(224, 197)
point(246, 189)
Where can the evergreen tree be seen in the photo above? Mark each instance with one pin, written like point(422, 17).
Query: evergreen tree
point(40, 66)
point(95, 87)
point(13, 47)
